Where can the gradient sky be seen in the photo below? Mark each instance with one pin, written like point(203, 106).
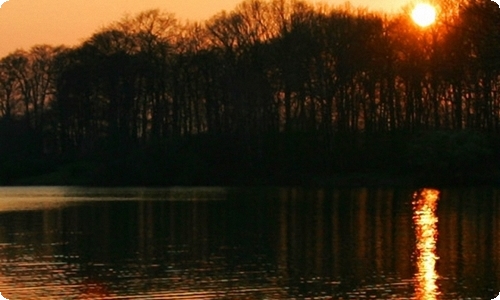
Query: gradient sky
point(24, 23)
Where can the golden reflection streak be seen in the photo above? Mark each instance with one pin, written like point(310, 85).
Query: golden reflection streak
point(425, 222)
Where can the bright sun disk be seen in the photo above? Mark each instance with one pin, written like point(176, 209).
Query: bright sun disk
point(424, 14)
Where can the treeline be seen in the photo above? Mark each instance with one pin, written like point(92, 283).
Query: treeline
point(272, 91)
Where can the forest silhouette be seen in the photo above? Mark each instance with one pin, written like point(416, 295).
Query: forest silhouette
point(272, 92)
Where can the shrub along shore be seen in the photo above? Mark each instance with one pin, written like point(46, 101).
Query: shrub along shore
point(428, 158)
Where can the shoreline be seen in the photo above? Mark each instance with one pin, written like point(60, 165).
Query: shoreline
point(341, 180)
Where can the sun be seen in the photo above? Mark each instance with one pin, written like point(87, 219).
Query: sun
point(424, 14)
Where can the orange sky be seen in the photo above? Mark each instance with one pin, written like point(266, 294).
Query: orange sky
point(24, 23)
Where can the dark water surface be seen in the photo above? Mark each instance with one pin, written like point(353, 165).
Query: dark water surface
point(249, 243)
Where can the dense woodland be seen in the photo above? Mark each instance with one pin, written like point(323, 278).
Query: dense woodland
point(275, 91)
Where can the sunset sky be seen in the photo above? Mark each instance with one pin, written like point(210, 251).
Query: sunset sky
point(24, 23)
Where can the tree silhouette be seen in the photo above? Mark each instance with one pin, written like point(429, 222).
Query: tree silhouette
point(270, 89)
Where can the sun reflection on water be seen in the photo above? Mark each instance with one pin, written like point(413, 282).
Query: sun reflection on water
point(425, 222)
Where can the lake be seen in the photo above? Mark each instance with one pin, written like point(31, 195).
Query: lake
point(249, 243)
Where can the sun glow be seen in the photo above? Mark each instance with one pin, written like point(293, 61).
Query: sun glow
point(424, 14)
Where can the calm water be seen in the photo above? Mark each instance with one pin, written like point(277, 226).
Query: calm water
point(275, 243)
